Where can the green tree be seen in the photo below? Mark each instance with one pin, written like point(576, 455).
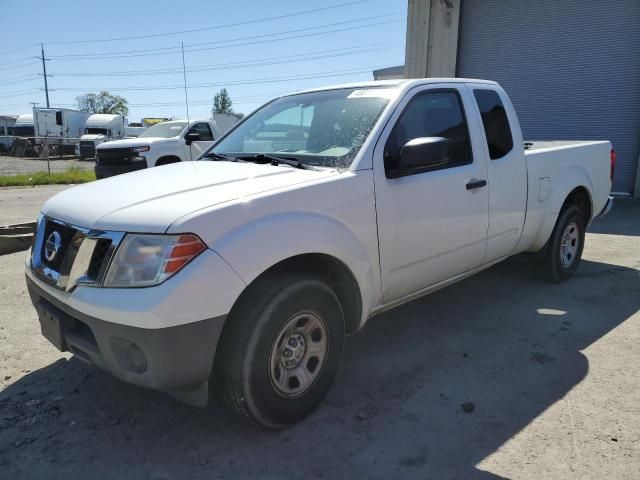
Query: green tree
point(222, 102)
point(103, 102)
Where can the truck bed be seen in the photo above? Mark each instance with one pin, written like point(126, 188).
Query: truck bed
point(554, 167)
point(530, 145)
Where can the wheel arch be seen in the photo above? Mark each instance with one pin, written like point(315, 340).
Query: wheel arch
point(575, 185)
point(326, 268)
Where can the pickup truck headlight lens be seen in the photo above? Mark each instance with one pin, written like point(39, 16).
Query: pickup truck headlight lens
point(144, 148)
point(145, 260)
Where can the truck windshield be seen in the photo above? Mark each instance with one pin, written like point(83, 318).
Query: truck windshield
point(164, 130)
point(325, 128)
point(95, 131)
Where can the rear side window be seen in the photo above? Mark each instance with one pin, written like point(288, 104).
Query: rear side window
point(204, 131)
point(432, 114)
point(495, 121)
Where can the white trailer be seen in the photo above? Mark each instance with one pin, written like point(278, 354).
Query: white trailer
point(226, 120)
point(61, 125)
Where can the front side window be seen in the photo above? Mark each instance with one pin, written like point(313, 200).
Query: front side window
point(431, 114)
point(496, 123)
point(164, 130)
point(325, 128)
point(203, 130)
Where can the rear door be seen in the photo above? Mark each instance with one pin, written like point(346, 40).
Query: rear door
point(431, 225)
point(506, 168)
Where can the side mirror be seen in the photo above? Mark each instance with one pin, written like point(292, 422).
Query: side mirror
point(421, 154)
point(191, 137)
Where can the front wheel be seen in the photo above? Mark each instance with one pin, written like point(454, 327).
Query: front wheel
point(564, 249)
point(281, 350)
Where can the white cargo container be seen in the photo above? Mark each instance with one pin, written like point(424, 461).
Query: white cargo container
point(63, 125)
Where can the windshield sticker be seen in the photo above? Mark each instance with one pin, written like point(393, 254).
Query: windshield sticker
point(176, 127)
point(373, 93)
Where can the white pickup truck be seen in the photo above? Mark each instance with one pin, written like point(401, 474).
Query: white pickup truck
point(161, 144)
point(244, 271)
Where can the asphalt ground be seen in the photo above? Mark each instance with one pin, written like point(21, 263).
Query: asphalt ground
point(549, 373)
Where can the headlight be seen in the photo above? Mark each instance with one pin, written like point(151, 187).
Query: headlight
point(144, 148)
point(144, 260)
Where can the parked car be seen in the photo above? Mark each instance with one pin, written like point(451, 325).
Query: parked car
point(160, 144)
point(245, 270)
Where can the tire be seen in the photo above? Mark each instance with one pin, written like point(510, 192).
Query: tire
point(561, 262)
point(269, 321)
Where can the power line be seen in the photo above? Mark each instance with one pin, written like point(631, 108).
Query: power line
point(265, 38)
point(308, 56)
point(19, 93)
point(233, 82)
point(17, 61)
point(24, 78)
point(213, 27)
point(9, 52)
point(20, 66)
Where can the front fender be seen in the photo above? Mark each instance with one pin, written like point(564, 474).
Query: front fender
point(567, 181)
point(254, 247)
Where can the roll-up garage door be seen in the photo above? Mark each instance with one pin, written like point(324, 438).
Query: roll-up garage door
point(571, 67)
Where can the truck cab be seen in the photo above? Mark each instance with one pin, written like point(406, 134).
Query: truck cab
point(161, 144)
point(98, 129)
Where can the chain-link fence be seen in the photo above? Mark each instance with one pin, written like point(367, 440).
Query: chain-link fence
point(33, 155)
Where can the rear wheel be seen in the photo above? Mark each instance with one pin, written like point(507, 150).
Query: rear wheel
point(564, 249)
point(281, 350)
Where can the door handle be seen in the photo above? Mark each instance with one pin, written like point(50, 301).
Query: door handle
point(476, 184)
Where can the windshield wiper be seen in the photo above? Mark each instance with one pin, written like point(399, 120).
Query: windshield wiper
point(273, 160)
point(222, 156)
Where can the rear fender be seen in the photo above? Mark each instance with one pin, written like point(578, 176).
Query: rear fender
point(568, 180)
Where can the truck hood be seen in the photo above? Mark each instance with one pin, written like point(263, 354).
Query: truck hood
point(151, 200)
point(135, 142)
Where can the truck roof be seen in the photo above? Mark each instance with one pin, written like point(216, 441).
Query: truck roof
point(403, 82)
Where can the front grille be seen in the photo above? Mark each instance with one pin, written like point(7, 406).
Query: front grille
point(87, 150)
point(82, 255)
point(99, 259)
point(114, 156)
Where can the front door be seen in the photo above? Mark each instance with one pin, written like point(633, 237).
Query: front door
point(431, 225)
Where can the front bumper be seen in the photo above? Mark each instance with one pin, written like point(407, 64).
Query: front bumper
point(105, 171)
point(176, 359)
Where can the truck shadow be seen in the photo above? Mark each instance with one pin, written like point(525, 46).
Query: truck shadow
point(624, 219)
point(502, 340)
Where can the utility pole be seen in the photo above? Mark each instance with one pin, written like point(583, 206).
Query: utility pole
point(44, 70)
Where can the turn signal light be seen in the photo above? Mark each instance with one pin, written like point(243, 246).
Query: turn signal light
point(185, 249)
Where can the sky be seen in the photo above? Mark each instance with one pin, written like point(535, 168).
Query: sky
point(133, 49)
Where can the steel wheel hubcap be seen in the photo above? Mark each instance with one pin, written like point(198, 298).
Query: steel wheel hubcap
point(569, 245)
point(298, 354)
